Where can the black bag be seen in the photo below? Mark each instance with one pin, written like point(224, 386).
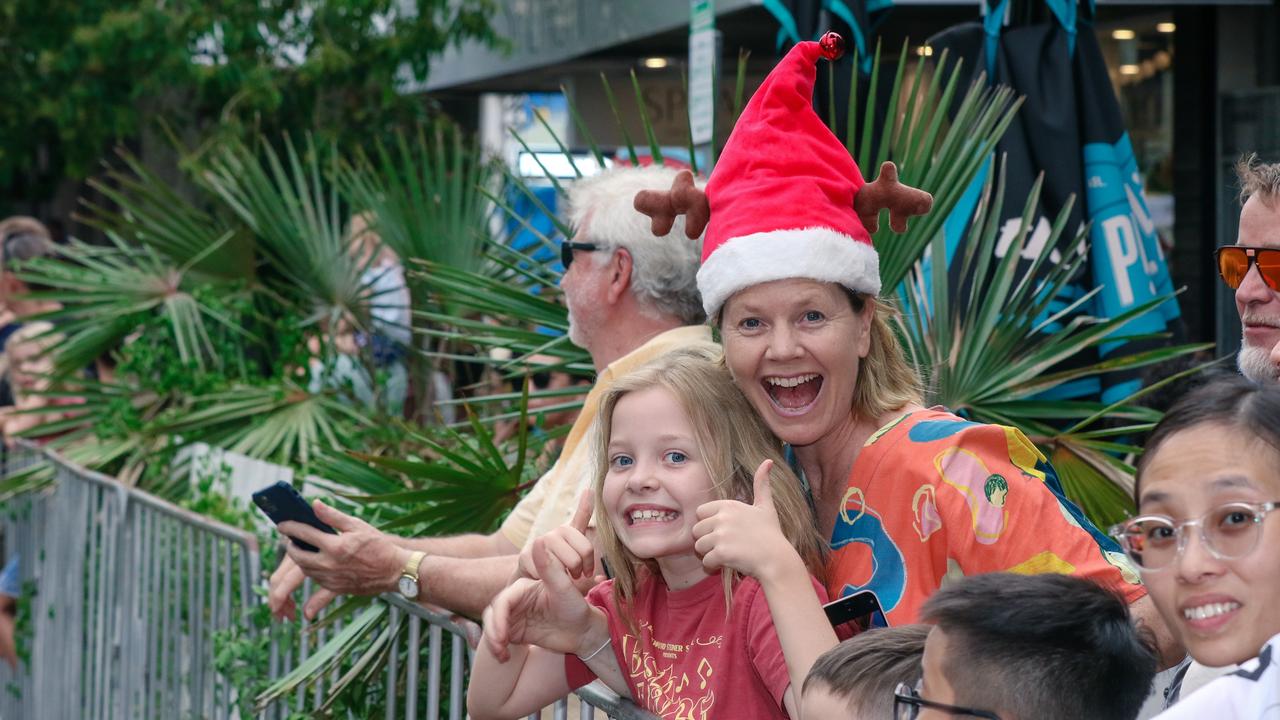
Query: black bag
point(1070, 129)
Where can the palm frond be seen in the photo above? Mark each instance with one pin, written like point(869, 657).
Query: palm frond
point(426, 196)
point(293, 206)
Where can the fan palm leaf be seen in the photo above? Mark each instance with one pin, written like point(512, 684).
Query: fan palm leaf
point(988, 355)
point(293, 206)
point(120, 284)
point(426, 196)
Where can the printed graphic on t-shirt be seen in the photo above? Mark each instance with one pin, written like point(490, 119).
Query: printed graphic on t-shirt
point(660, 669)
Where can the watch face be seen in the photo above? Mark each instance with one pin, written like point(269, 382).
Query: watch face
point(408, 587)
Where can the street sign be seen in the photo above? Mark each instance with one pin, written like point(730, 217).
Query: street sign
point(702, 71)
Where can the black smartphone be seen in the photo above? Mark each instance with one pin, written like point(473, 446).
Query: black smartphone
point(861, 607)
point(281, 502)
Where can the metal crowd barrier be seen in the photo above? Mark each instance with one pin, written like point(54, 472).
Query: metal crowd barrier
point(406, 695)
point(129, 591)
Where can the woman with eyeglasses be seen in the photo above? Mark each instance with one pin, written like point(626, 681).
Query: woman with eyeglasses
point(1205, 540)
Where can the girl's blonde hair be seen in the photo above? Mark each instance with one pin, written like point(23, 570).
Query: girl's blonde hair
point(732, 441)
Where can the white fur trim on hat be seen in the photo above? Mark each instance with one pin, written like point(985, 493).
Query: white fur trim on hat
point(815, 253)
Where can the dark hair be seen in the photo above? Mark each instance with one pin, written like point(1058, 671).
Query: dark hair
point(865, 669)
point(1232, 400)
point(1050, 647)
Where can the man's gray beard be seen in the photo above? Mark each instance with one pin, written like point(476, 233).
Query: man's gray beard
point(1255, 363)
point(575, 332)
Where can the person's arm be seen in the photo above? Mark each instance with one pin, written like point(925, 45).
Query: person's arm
point(510, 678)
point(464, 585)
point(365, 561)
point(8, 647)
point(802, 626)
point(529, 680)
point(747, 538)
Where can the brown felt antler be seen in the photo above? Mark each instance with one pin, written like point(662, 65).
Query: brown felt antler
point(902, 201)
point(684, 198)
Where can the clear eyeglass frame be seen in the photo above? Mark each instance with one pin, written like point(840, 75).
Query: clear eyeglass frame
point(1130, 534)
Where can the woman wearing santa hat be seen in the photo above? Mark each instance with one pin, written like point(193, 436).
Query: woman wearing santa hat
point(909, 496)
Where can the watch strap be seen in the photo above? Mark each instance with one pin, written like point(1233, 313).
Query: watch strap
point(411, 565)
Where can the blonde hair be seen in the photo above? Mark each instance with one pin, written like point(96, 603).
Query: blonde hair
point(1258, 178)
point(886, 381)
point(732, 441)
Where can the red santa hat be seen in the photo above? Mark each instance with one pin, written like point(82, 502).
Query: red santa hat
point(786, 200)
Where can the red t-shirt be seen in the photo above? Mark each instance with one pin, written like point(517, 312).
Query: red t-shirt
point(690, 662)
point(933, 496)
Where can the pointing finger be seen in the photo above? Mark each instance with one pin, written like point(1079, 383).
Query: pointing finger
point(582, 516)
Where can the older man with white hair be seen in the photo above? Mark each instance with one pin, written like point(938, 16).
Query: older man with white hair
point(632, 296)
point(1252, 269)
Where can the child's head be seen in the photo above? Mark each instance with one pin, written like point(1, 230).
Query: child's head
point(672, 435)
point(30, 362)
point(856, 678)
point(1213, 462)
point(1031, 647)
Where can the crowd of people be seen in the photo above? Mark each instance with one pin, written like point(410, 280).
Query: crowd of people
point(711, 498)
point(25, 367)
point(755, 458)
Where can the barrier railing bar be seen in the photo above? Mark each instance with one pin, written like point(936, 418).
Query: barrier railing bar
point(433, 672)
point(393, 661)
point(200, 593)
point(457, 656)
point(153, 502)
point(411, 677)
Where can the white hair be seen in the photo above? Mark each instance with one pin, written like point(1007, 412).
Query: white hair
point(1258, 178)
point(1256, 364)
point(664, 269)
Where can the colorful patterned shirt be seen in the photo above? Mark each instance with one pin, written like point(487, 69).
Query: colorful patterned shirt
point(934, 497)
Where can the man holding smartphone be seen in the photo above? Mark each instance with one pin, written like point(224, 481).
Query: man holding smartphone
point(632, 297)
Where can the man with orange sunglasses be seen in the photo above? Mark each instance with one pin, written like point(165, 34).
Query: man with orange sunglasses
point(1252, 269)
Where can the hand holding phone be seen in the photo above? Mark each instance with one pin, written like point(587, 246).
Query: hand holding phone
point(281, 502)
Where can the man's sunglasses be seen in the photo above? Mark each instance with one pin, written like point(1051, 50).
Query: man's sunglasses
point(567, 248)
point(1234, 262)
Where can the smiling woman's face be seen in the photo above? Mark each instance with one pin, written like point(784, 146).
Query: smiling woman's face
point(1223, 611)
point(794, 347)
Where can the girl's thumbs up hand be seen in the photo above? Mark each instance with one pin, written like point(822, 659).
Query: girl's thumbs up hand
point(746, 538)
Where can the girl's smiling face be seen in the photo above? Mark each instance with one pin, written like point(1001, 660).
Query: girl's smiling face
point(655, 482)
point(1223, 610)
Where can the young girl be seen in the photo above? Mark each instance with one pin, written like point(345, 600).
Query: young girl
point(682, 641)
point(1207, 539)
